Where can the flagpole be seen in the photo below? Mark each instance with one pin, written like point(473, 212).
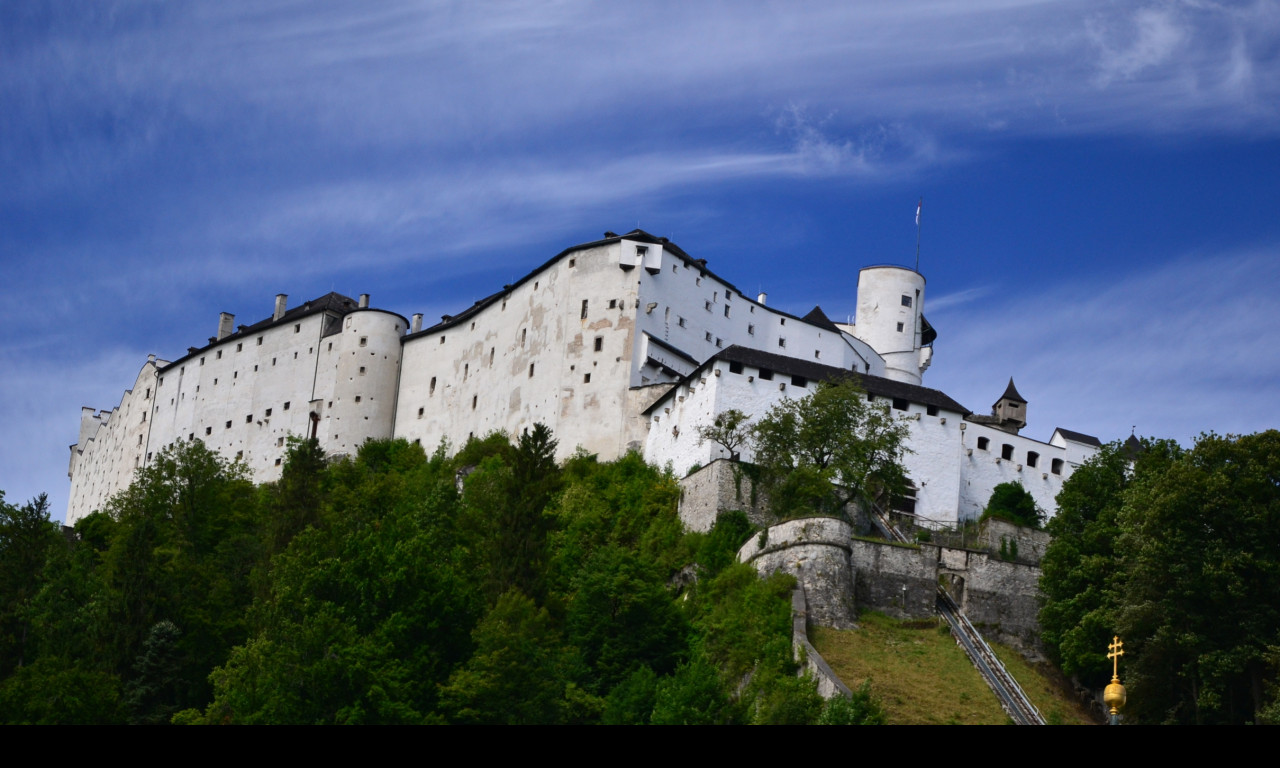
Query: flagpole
point(919, 207)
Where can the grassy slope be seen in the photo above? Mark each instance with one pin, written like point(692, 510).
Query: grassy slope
point(923, 677)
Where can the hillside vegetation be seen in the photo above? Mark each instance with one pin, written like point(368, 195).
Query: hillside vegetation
point(493, 586)
point(922, 677)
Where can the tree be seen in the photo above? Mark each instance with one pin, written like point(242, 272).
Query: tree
point(27, 538)
point(1178, 552)
point(730, 430)
point(1012, 502)
point(1082, 568)
point(1201, 597)
point(818, 454)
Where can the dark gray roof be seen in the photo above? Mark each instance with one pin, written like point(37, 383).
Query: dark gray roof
point(1079, 437)
point(819, 318)
point(790, 366)
point(1011, 393)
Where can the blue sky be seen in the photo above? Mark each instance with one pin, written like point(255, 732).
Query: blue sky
point(1100, 181)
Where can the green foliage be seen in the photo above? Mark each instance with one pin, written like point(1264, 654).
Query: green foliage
point(862, 708)
point(719, 548)
point(516, 676)
point(54, 691)
point(27, 539)
point(730, 430)
point(1081, 567)
point(818, 454)
point(1012, 503)
point(368, 590)
point(1178, 556)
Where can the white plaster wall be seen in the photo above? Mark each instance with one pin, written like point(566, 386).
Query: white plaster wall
point(681, 291)
point(983, 470)
point(880, 311)
point(933, 462)
point(673, 431)
point(481, 367)
point(112, 446)
point(365, 372)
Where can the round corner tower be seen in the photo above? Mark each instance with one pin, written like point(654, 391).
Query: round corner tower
point(890, 319)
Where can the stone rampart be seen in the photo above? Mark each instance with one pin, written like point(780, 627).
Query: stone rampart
point(901, 581)
point(1031, 543)
point(816, 551)
point(720, 486)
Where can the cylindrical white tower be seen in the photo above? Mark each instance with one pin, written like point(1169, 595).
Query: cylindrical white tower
point(890, 302)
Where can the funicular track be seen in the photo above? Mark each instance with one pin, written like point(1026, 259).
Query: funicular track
point(1012, 698)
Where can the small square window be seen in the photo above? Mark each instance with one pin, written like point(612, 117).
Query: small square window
point(208, 430)
point(362, 370)
point(983, 443)
point(782, 342)
point(708, 335)
point(1033, 458)
point(906, 300)
point(277, 462)
point(1056, 466)
point(364, 341)
point(932, 410)
point(899, 327)
point(202, 361)
point(708, 306)
point(719, 343)
point(572, 263)
point(239, 346)
point(599, 343)
point(751, 330)
point(799, 381)
point(267, 414)
point(421, 412)
point(357, 398)
point(228, 425)
point(297, 327)
point(286, 405)
point(900, 404)
point(279, 442)
point(613, 303)
point(586, 378)
point(248, 419)
point(219, 354)
point(766, 374)
point(735, 367)
point(259, 341)
point(680, 321)
point(1006, 451)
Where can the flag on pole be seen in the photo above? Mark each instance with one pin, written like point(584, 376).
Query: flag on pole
point(919, 205)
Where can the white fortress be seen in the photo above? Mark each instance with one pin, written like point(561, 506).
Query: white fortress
point(626, 343)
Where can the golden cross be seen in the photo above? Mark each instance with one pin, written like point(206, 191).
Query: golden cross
point(1115, 651)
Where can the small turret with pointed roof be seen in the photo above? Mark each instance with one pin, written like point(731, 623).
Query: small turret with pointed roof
point(1011, 409)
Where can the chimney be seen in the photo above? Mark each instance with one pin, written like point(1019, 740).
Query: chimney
point(226, 321)
point(364, 301)
point(282, 301)
point(417, 323)
point(762, 297)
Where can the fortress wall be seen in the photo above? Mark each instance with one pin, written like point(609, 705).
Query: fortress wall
point(897, 580)
point(715, 488)
point(529, 357)
point(815, 551)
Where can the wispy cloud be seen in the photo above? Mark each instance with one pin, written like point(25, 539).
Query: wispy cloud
point(1175, 351)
